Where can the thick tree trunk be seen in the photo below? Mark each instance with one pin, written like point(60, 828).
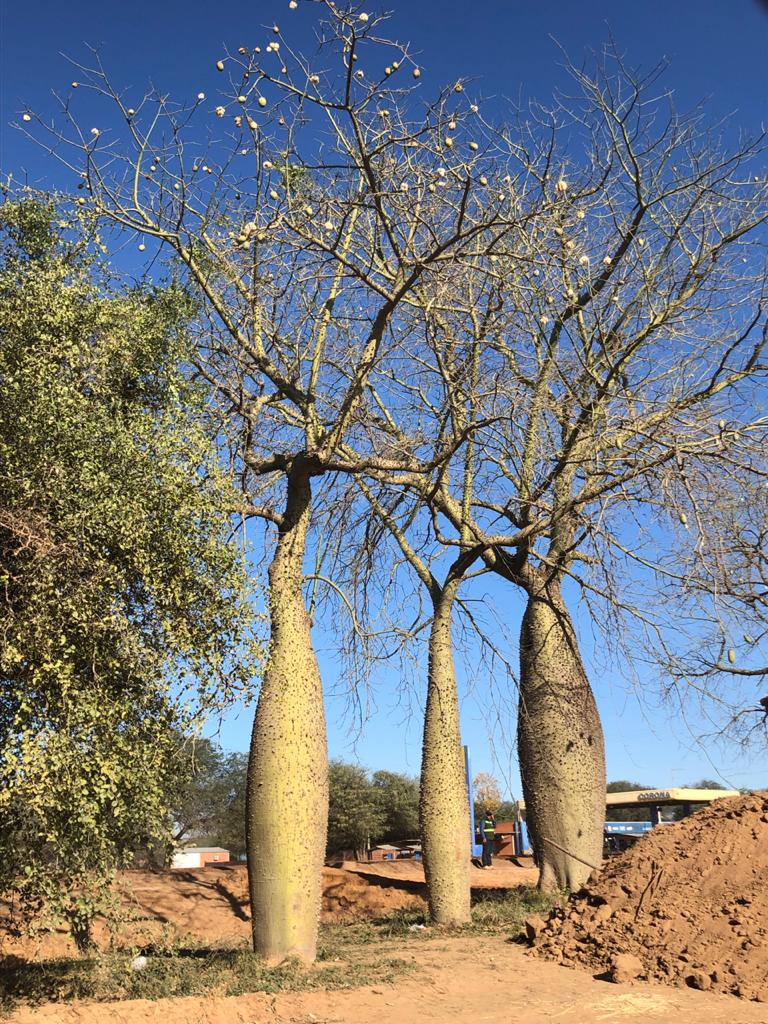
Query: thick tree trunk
point(560, 743)
point(287, 802)
point(444, 803)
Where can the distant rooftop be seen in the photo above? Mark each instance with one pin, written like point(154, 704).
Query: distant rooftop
point(665, 797)
point(662, 797)
point(201, 849)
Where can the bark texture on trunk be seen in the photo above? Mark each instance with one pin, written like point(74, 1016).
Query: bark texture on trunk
point(287, 800)
point(560, 743)
point(444, 802)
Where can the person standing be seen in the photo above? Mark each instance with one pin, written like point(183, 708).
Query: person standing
point(488, 836)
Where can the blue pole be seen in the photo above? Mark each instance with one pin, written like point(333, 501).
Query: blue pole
point(475, 848)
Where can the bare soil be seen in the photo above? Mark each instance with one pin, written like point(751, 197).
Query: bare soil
point(212, 902)
point(687, 905)
point(479, 980)
point(688, 872)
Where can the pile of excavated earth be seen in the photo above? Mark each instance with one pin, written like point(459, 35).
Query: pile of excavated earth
point(686, 905)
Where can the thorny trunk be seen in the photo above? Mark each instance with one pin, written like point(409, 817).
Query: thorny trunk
point(287, 809)
point(560, 744)
point(444, 805)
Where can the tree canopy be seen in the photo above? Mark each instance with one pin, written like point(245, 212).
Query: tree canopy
point(119, 581)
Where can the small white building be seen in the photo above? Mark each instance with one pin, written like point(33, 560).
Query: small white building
point(198, 856)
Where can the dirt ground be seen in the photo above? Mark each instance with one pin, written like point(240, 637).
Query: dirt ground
point(213, 902)
point(504, 874)
point(482, 980)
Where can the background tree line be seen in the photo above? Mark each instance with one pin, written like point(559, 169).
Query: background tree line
point(207, 805)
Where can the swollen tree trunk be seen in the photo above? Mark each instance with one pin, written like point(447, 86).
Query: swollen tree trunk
point(444, 802)
point(287, 799)
point(560, 743)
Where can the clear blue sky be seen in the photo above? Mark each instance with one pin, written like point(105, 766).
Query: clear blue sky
point(718, 51)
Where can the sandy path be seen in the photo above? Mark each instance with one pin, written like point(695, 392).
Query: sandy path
point(482, 981)
point(503, 875)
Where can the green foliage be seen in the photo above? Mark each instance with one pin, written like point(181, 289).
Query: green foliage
point(355, 816)
point(208, 803)
point(506, 811)
point(364, 809)
point(398, 797)
point(118, 582)
point(505, 911)
point(186, 970)
point(705, 784)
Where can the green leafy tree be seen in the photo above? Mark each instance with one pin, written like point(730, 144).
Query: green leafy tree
point(210, 807)
point(355, 814)
point(118, 581)
point(228, 826)
point(398, 797)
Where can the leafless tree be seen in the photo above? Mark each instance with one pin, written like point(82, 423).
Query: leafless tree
point(306, 209)
point(622, 374)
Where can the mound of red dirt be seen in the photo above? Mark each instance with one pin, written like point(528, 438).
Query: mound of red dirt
point(209, 903)
point(687, 905)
